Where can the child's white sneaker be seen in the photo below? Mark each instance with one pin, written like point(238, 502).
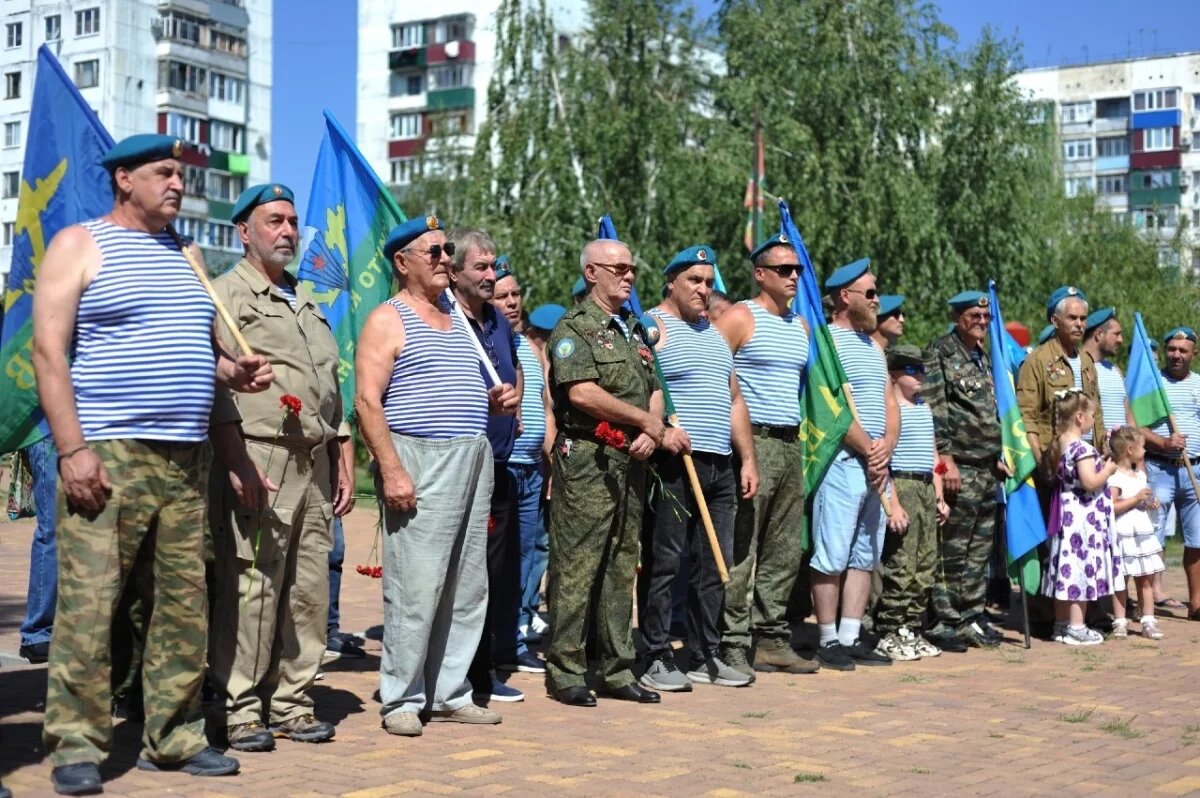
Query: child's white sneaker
point(1082, 636)
point(1120, 627)
point(1150, 629)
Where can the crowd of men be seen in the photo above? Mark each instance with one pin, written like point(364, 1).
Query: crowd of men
point(672, 441)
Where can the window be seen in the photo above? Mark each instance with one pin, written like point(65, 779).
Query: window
point(8, 234)
point(1156, 179)
point(193, 182)
point(87, 22)
point(1168, 257)
point(225, 87)
point(181, 27)
point(1110, 184)
point(1196, 142)
point(225, 187)
point(1076, 112)
point(221, 235)
point(407, 36)
point(185, 127)
point(1112, 147)
point(182, 77)
point(449, 77)
point(1161, 217)
point(1078, 150)
point(12, 184)
point(1074, 186)
point(452, 30)
point(224, 136)
point(187, 227)
point(53, 28)
point(406, 126)
point(12, 134)
point(87, 74)
point(1157, 139)
point(228, 43)
point(1155, 99)
point(12, 34)
point(1196, 222)
point(404, 171)
point(12, 85)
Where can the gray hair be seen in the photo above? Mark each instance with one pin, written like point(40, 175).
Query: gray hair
point(464, 240)
point(585, 253)
point(1062, 303)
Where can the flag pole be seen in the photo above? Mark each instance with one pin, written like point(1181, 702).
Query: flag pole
point(756, 201)
point(1024, 604)
point(202, 275)
point(1187, 461)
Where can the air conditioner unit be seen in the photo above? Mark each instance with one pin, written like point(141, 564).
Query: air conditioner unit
point(1185, 145)
point(1184, 180)
point(452, 49)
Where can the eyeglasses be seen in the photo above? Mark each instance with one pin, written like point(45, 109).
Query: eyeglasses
point(618, 269)
point(977, 317)
point(914, 371)
point(435, 251)
point(783, 271)
point(870, 293)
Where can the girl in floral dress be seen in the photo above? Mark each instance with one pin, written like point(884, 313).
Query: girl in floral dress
point(1081, 566)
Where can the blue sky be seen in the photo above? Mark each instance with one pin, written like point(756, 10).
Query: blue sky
point(315, 55)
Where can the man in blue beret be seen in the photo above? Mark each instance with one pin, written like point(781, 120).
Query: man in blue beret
point(423, 405)
point(770, 351)
point(579, 290)
point(272, 568)
point(960, 390)
point(698, 369)
point(129, 413)
point(848, 515)
point(1102, 340)
point(1045, 335)
point(889, 321)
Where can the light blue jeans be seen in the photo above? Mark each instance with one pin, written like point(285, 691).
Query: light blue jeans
point(848, 522)
point(1173, 489)
point(535, 540)
point(435, 574)
point(43, 555)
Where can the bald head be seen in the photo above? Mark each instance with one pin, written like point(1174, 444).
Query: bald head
point(607, 266)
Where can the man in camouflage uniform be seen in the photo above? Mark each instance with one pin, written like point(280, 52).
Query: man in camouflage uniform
point(601, 372)
point(961, 394)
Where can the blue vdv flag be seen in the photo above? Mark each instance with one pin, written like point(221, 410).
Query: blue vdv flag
point(608, 231)
point(62, 183)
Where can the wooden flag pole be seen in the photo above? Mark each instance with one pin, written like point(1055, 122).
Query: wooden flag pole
point(1187, 461)
point(212, 294)
point(883, 497)
point(690, 466)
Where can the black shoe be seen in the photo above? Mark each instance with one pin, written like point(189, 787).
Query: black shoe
point(36, 653)
point(575, 697)
point(984, 626)
point(82, 778)
point(128, 707)
point(631, 692)
point(975, 638)
point(952, 644)
point(833, 655)
point(865, 656)
point(339, 646)
point(209, 762)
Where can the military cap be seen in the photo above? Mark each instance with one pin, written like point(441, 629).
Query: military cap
point(139, 149)
point(1180, 332)
point(1060, 294)
point(889, 304)
point(777, 240)
point(405, 233)
point(702, 254)
point(1046, 334)
point(902, 355)
point(1098, 317)
point(503, 267)
point(545, 317)
point(1153, 345)
point(847, 274)
point(579, 289)
point(967, 300)
point(259, 195)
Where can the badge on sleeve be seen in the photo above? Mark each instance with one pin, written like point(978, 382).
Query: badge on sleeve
point(564, 349)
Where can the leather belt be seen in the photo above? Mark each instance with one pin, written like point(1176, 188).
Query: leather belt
point(916, 476)
point(785, 434)
point(1165, 458)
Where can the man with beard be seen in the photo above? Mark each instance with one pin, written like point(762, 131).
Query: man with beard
point(848, 517)
point(889, 321)
point(1102, 340)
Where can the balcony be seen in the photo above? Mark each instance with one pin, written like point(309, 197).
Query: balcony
point(461, 97)
point(1154, 197)
point(1116, 124)
point(1084, 166)
point(410, 58)
point(452, 51)
point(1113, 163)
point(405, 148)
point(1076, 129)
point(1165, 118)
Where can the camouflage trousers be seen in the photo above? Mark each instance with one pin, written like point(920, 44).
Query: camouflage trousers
point(595, 526)
point(960, 591)
point(767, 536)
point(156, 510)
point(909, 560)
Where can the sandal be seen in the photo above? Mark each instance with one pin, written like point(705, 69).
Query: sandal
point(1169, 604)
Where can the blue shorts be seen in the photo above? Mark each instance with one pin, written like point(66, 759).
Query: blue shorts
point(1173, 489)
point(848, 522)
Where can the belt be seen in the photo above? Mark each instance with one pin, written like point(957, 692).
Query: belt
point(786, 434)
point(1166, 458)
point(916, 476)
point(978, 462)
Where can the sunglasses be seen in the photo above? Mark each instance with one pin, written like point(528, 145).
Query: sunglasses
point(783, 271)
point(618, 269)
point(870, 293)
point(435, 251)
point(914, 371)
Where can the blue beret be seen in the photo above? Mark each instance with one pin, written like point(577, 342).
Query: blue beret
point(1060, 294)
point(1098, 317)
point(777, 240)
point(847, 274)
point(405, 233)
point(1180, 332)
point(889, 304)
point(259, 195)
point(546, 316)
point(967, 300)
point(1046, 334)
point(139, 149)
point(503, 267)
point(690, 257)
point(579, 289)
point(1153, 345)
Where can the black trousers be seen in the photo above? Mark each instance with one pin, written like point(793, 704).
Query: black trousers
point(499, 639)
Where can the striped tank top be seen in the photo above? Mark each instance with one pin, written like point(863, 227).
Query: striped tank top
point(143, 364)
point(436, 390)
point(770, 367)
point(1184, 397)
point(1112, 394)
point(527, 448)
point(914, 449)
point(696, 363)
point(1077, 373)
point(866, 369)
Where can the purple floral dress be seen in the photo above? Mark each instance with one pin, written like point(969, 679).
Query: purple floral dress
point(1081, 565)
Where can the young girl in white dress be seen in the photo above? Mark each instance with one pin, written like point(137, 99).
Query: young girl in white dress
point(1134, 542)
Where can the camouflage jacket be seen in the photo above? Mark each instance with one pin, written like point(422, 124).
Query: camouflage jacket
point(1045, 372)
point(962, 395)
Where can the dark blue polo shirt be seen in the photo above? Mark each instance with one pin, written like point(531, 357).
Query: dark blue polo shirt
point(500, 344)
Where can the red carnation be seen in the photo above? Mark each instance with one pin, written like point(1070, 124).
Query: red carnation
point(610, 435)
point(291, 404)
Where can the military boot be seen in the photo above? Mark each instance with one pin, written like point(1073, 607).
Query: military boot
point(777, 655)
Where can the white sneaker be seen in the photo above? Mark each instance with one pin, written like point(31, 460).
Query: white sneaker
point(1120, 627)
point(919, 644)
point(1083, 636)
point(1150, 629)
point(894, 648)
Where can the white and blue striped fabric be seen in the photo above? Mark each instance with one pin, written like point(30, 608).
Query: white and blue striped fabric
point(697, 364)
point(770, 366)
point(1112, 394)
point(143, 362)
point(1077, 370)
point(437, 389)
point(866, 369)
point(289, 292)
point(527, 448)
point(914, 449)
point(1184, 396)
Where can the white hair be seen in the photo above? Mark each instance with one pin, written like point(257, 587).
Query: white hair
point(1062, 304)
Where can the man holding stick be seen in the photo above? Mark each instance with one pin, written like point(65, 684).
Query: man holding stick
point(697, 367)
point(130, 418)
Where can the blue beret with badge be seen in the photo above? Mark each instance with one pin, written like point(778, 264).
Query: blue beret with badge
point(889, 304)
point(405, 233)
point(1180, 333)
point(544, 317)
point(579, 289)
point(777, 240)
point(139, 149)
point(261, 194)
point(1061, 293)
point(702, 254)
point(966, 300)
point(502, 266)
point(1098, 317)
point(847, 274)
point(1046, 334)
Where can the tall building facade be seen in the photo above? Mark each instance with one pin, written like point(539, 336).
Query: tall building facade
point(1130, 135)
point(196, 69)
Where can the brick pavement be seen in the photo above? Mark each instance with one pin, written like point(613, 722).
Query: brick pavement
point(999, 722)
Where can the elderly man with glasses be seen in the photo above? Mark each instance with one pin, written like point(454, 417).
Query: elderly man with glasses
point(961, 393)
